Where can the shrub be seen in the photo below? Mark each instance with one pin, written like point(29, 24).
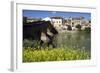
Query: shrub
point(33, 44)
point(87, 29)
point(78, 26)
point(27, 43)
point(69, 27)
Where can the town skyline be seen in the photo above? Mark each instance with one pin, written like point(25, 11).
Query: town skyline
point(44, 14)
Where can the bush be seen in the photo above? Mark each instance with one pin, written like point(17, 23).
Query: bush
point(27, 43)
point(87, 29)
point(78, 26)
point(69, 27)
point(33, 44)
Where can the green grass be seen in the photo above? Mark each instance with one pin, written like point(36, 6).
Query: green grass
point(55, 54)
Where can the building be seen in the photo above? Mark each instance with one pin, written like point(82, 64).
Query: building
point(76, 21)
point(62, 23)
point(85, 24)
point(67, 21)
point(57, 22)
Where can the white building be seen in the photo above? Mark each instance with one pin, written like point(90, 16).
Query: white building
point(76, 21)
point(57, 22)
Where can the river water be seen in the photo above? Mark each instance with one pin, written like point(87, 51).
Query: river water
point(74, 39)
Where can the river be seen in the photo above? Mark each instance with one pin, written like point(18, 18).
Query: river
point(74, 39)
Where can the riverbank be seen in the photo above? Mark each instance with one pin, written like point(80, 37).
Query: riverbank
point(65, 31)
point(73, 31)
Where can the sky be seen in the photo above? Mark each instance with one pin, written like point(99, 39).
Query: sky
point(44, 14)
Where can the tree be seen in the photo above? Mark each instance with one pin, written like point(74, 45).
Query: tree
point(69, 27)
point(87, 29)
point(78, 26)
point(24, 20)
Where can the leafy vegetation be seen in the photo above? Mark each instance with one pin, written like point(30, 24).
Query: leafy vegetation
point(88, 29)
point(78, 26)
point(54, 54)
point(31, 43)
point(69, 27)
